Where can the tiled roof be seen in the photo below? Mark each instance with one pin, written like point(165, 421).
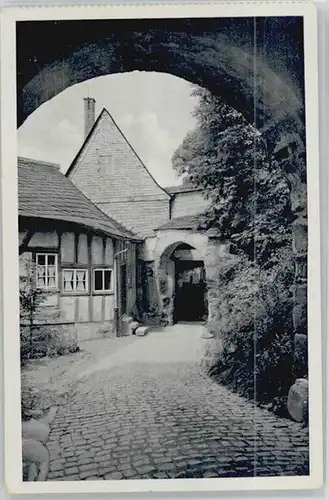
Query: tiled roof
point(44, 192)
point(89, 136)
point(185, 222)
point(182, 188)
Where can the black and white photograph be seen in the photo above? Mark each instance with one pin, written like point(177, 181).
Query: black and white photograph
point(168, 316)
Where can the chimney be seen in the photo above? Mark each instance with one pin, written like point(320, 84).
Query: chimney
point(89, 114)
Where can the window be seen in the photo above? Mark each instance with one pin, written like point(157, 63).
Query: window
point(46, 270)
point(102, 280)
point(75, 280)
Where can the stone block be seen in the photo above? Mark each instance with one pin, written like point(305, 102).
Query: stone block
point(35, 456)
point(125, 324)
point(33, 429)
point(113, 476)
point(132, 327)
point(142, 331)
point(300, 319)
point(300, 355)
point(49, 416)
point(298, 400)
point(300, 240)
point(301, 268)
point(206, 333)
point(300, 295)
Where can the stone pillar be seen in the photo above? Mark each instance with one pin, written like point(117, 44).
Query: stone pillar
point(300, 285)
point(300, 298)
point(292, 159)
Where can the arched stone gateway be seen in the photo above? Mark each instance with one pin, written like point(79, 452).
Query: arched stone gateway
point(184, 263)
point(256, 65)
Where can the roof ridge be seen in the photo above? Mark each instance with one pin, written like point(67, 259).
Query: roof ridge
point(182, 222)
point(91, 131)
point(134, 151)
point(183, 188)
point(104, 110)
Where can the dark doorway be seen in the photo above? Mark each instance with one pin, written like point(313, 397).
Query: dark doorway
point(123, 289)
point(190, 291)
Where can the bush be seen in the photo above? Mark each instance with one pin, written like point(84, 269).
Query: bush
point(254, 326)
point(59, 344)
point(29, 401)
point(47, 341)
point(34, 401)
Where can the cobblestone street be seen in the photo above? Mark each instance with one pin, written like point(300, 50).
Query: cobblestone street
point(148, 411)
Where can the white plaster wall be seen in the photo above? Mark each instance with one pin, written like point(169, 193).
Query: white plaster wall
point(188, 203)
point(212, 252)
point(67, 247)
point(147, 250)
point(45, 239)
point(83, 249)
point(169, 237)
point(97, 250)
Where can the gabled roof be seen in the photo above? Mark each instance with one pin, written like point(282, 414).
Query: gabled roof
point(89, 136)
point(182, 188)
point(44, 192)
point(185, 222)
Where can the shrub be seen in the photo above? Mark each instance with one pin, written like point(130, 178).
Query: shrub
point(47, 341)
point(29, 400)
point(30, 297)
point(35, 401)
point(254, 325)
point(59, 344)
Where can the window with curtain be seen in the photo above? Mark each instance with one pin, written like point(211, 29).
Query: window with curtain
point(46, 270)
point(75, 280)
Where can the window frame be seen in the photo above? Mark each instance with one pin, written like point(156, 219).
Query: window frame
point(74, 270)
point(103, 291)
point(46, 255)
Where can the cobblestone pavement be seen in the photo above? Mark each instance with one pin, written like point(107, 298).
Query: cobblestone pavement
point(148, 411)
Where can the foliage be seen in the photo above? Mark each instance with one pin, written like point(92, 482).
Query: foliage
point(251, 209)
point(38, 341)
point(30, 297)
point(35, 400)
point(47, 341)
point(30, 401)
point(59, 345)
point(254, 315)
point(249, 194)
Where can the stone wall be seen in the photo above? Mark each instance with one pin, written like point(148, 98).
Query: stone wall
point(211, 251)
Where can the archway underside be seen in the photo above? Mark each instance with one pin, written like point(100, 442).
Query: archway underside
point(226, 56)
point(181, 275)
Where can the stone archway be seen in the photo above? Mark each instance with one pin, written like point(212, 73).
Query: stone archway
point(166, 274)
point(227, 56)
point(209, 252)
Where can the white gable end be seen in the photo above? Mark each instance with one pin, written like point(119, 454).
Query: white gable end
point(109, 172)
point(108, 169)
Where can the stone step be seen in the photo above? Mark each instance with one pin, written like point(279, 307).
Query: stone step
point(132, 327)
point(141, 331)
